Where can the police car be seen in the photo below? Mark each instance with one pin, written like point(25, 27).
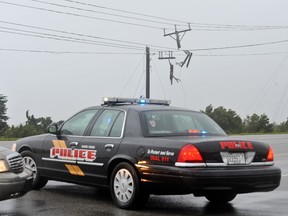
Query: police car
point(137, 147)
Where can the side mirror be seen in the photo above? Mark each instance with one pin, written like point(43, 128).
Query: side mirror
point(53, 128)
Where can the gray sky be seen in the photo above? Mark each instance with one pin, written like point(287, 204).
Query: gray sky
point(58, 59)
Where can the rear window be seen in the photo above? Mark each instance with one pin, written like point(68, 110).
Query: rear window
point(179, 123)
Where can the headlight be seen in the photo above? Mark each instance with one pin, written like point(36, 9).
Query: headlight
point(3, 166)
point(13, 148)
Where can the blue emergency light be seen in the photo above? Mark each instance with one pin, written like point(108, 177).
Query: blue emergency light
point(115, 100)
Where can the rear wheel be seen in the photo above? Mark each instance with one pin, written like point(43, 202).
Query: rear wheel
point(125, 187)
point(219, 197)
point(29, 160)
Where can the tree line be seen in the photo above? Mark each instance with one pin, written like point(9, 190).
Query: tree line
point(32, 125)
point(228, 119)
point(232, 123)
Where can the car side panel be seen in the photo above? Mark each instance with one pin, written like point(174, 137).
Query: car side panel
point(95, 172)
point(55, 165)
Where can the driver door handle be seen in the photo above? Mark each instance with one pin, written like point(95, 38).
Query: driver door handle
point(73, 144)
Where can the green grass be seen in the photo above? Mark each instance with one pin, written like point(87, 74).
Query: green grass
point(7, 139)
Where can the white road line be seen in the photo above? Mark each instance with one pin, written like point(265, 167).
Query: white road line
point(281, 154)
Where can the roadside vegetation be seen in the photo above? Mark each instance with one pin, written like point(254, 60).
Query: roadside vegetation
point(232, 123)
point(228, 119)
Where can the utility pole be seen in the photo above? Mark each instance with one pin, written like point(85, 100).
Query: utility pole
point(147, 72)
point(177, 33)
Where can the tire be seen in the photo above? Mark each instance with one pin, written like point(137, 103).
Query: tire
point(219, 197)
point(30, 161)
point(125, 187)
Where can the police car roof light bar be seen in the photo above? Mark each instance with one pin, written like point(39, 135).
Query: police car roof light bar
point(115, 100)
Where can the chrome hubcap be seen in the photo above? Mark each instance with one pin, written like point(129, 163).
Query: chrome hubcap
point(123, 185)
point(30, 164)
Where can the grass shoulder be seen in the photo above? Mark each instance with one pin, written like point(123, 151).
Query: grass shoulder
point(7, 139)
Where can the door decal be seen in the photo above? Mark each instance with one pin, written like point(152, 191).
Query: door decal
point(74, 170)
point(59, 143)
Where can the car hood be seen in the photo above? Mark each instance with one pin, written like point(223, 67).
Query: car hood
point(5, 151)
point(31, 141)
point(29, 138)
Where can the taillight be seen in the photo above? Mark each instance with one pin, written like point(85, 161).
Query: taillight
point(270, 156)
point(189, 154)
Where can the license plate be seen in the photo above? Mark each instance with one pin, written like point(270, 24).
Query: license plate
point(236, 158)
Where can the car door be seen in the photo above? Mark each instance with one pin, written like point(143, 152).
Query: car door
point(60, 152)
point(104, 138)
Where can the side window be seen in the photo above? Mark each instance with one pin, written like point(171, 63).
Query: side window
point(78, 123)
point(118, 126)
point(109, 124)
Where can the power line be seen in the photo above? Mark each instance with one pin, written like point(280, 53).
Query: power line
point(135, 45)
point(132, 75)
point(284, 109)
point(281, 102)
point(125, 11)
point(142, 74)
point(118, 45)
point(83, 16)
point(69, 39)
point(239, 46)
point(212, 27)
point(85, 35)
point(133, 53)
point(267, 85)
point(195, 26)
point(241, 54)
point(99, 12)
point(69, 52)
point(158, 77)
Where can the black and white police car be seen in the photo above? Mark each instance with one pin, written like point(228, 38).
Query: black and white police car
point(138, 147)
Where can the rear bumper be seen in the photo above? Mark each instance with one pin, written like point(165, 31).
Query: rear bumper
point(201, 181)
point(13, 185)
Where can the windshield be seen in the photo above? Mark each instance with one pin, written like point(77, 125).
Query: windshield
point(179, 123)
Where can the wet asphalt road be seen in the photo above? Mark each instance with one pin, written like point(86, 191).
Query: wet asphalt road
point(59, 198)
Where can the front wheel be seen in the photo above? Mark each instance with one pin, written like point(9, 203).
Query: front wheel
point(125, 187)
point(220, 197)
point(29, 159)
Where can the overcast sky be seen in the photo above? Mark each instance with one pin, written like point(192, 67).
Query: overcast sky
point(60, 56)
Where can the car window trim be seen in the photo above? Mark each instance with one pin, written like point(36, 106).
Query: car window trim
point(98, 111)
point(107, 137)
point(145, 129)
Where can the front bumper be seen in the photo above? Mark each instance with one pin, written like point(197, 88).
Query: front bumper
point(13, 185)
point(200, 181)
